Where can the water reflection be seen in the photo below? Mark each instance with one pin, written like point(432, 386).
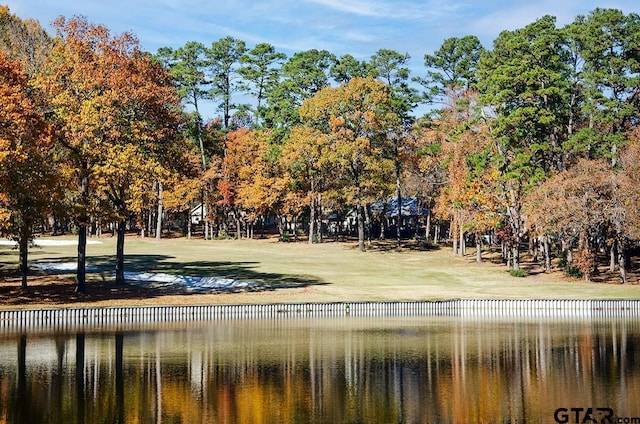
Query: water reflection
point(387, 370)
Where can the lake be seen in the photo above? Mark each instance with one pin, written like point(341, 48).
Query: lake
point(385, 369)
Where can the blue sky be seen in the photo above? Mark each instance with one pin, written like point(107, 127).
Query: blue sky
point(357, 27)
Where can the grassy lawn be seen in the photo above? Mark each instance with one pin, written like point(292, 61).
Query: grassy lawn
point(293, 272)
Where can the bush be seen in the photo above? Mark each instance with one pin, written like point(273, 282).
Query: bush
point(585, 262)
point(573, 271)
point(563, 262)
point(285, 237)
point(223, 235)
point(518, 272)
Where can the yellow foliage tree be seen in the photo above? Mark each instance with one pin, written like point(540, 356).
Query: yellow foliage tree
point(305, 161)
point(357, 117)
point(118, 117)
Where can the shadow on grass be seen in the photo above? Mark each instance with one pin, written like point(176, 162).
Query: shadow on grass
point(391, 245)
point(50, 287)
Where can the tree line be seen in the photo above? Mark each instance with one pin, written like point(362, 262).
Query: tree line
point(533, 140)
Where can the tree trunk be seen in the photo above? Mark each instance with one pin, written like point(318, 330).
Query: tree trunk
point(159, 217)
point(612, 257)
point(23, 247)
point(503, 251)
point(515, 256)
point(383, 226)
point(532, 249)
point(81, 272)
point(622, 263)
point(463, 243)
point(189, 225)
point(204, 218)
point(478, 248)
point(427, 231)
point(312, 218)
point(547, 253)
point(150, 222)
point(319, 219)
point(398, 198)
point(508, 255)
point(360, 223)
point(201, 144)
point(453, 236)
point(120, 252)
point(367, 220)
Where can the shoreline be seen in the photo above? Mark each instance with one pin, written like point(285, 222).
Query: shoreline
point(105, 318)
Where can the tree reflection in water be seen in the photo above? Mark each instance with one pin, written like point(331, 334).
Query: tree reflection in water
point(384, 369)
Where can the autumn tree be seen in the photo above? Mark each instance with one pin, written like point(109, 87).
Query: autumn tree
point(262, 186)
point(146, 146)
point(579, 204)
point(26, 168)
point(251, 183)
point(356, 116)
point(460, 141)
point(452, 137)
point(228, 184)
point(116, 111)
point(305, 157)
point(24, 41)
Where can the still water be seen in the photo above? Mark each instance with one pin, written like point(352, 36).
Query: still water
point(327, 370)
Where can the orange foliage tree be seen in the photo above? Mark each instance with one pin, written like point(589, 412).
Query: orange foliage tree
point(468, 197)
point(26, 169)
point(252, 183)
point(589, 205)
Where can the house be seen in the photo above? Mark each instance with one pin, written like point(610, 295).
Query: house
point(384, 217)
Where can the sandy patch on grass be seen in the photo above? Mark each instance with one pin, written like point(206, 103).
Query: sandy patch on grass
point(188, 284)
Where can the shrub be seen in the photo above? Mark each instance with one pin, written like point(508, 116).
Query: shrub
point(285, 237)
point(573, 271)
point(223, 235)
point(518, 272)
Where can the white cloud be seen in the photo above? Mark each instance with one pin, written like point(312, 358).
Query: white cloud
point(390, 9)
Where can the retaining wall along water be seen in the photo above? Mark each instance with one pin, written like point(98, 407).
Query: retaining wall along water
point(61, 319)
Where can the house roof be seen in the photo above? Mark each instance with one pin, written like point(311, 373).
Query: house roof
point(410, 207)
